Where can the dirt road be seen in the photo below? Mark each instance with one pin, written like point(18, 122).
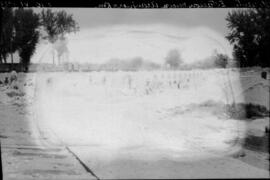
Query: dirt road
point(80, 133)
point(23, 158)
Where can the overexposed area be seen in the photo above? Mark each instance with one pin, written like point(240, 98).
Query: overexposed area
point(152, 42)
point(125, 93)
point(144, 124)
point(141, 110)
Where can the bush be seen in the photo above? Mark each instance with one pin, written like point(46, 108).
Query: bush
point(247, 111)
point(238, 111)
point(260, 144)
point(14, 93)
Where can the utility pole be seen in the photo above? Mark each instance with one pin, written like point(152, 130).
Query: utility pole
point(1, 167)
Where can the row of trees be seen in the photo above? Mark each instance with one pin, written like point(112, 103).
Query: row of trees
point(21, 29)
point(249, 33)
point(133, 64)
point(173, 60)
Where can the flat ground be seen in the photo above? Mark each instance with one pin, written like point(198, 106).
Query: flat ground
point(128, 129)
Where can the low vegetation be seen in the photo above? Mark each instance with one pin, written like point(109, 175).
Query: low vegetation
point(238, 111)
point(259, 144)
point(15, 94)
point(244, 111)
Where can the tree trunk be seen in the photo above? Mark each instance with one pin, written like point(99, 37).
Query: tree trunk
point(5, 60)
point(25, 66)
point(11, 55)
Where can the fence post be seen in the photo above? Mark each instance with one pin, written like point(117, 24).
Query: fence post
point(1, 168)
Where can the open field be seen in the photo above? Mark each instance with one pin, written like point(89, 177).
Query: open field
point(117, 118)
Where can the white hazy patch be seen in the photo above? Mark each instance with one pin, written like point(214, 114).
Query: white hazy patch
point(84, 109)
point(151, 42)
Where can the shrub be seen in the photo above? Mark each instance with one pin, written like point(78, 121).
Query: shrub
point(14, 93)
point(238, 111)
point(255, 143)
point(246, 111)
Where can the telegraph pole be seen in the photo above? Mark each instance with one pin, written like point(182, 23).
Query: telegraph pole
point(1, 167)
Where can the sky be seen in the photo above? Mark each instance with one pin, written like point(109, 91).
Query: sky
point(148, 33)
point(97, 17)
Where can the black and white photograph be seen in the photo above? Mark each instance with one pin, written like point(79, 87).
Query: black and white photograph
point(126, 93)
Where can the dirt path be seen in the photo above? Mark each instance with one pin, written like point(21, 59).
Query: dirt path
point(126, 138)
point(142, 163)
point(31, 150)
point(22, 158)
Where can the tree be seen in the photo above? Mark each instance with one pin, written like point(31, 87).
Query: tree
point(250, 36)
point(6, 35)
point(65, 23)
point(136, 63)
point(57, 24)
point(26, 24)
point(173, 59)
point(48, 20)
point(61, 47)
point(219, 60)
